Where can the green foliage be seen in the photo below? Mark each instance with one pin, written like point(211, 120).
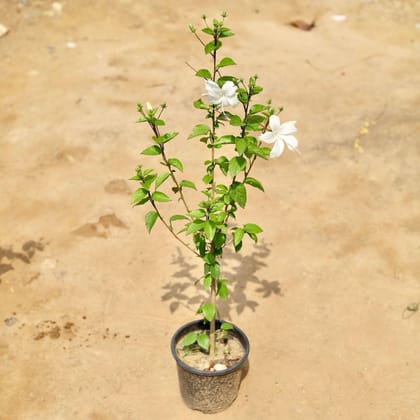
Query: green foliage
point(209, 311)
point(199, 130)
point(203, 73)
point(189, 339)
point(150, 220)
point(205, 228)
point(151, 151)
point(227, 61)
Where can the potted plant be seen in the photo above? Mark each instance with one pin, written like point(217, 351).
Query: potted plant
point(211, 353)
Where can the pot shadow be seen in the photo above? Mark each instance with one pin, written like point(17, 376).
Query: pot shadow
point(187, 290)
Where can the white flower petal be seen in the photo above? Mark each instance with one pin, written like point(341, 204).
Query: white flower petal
point(288, 128)
point(277, 149)
point(274, 122)
point(291, 142)
point(229, 88)
point(233, 101)
point(267, 137)
point(211, 86)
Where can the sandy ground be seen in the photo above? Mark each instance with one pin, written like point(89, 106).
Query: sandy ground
point(89, 301)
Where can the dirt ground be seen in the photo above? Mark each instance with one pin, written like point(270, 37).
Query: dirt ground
point(89, 301)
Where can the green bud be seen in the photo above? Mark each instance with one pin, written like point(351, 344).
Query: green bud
point(224, 14)
point(192, 29)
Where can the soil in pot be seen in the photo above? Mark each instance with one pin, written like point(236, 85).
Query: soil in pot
point(229, 351)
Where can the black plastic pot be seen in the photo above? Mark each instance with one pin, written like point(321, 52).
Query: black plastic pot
point(208, 391)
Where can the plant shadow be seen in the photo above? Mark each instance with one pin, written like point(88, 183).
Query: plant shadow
point(8, 256)
point(186, 288)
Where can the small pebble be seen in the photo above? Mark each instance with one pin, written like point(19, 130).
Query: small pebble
point(339, 18)
point(57, 7)
point(3, 30)
point(219, 366)
point(71, 45)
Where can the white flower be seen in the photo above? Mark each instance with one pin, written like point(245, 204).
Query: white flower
point(279, 135)
point(224, 96)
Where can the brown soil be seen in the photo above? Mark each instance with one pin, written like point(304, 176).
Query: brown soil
point(228, 352)
point(89, 300)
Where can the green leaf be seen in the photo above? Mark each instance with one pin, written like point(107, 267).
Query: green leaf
point(197, 214)
point(176, 163)
point(263, 152)
point(243, 95)
point(209, 229)
point(209, 259)
point(139, 197)
point(195, 226)
point(241, 145)
point(223, 79)
point(199, 130)
point(236, 165)
point(166, 137)
point(226, 33)
point(203, 341)
point(255, 119)
point(200, 244)
point(235, 120)
point(219, 240)
point(207, 179)
point(223, 290)
point(253, 236)
point(227, 61)
point(161, 179)
point(150, 220)
point(187, 184)
point(211, 46)
point(204, 73)
point(208, 31)
point(177, 217)
point(238, 194)
point(215, 270)
point(218, 218)
point(147, 181)
point(254, 182)
point(189, 339)
point(238, 235)
point(229, 139)
point(151, 151)
point(199, 104)
point(207, 281)
point(160, 197)
point(257, 108)
point(209, 311)
point(221, 189)
point(252, 228)
point(256, 89)
point(226, 326)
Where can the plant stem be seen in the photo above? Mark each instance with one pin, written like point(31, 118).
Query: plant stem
point(169, 227)
point(155, 129)
point(213, 290)
point(212, 336)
